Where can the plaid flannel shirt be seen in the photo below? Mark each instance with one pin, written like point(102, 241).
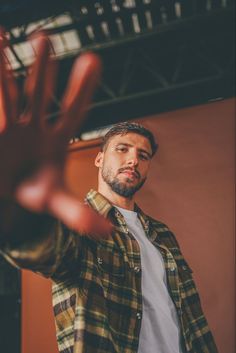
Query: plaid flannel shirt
point(97, 285)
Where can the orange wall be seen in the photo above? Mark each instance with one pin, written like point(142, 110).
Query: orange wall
point(191, 188)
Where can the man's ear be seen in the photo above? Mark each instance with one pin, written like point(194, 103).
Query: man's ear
point(99, 159)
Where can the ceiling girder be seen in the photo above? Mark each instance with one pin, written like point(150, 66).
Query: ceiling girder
point(157, 55)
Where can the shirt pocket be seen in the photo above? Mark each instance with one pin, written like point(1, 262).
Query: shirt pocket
point(111, 271)
point(186, 281)
point(110, 261)
point(185, 271)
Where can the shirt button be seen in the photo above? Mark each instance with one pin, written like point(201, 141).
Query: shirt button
point(100, 260)
point(172, 269)
point(139, 316)
point(136, 269)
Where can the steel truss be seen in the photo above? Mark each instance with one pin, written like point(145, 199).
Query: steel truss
point(157, 55)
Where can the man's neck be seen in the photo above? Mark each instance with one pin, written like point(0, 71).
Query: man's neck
point(115, 199)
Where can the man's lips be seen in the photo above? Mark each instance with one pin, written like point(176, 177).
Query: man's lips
point(130, 173)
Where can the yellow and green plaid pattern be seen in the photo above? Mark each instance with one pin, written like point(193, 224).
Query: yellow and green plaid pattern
point(97, 285)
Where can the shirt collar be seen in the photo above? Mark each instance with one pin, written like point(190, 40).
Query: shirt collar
point(100, 204)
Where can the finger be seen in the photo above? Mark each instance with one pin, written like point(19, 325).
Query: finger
point(33, 192)
point(39, 194)
point(78, 216)
point(8, 89)
point(40, 83)
point(83, 80)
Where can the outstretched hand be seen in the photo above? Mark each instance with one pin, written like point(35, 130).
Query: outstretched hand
point(32, 152)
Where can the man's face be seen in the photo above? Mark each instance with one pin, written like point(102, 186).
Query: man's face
point(125, 162)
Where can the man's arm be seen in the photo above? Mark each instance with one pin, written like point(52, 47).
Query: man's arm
point(33, 153)
point(37, 242)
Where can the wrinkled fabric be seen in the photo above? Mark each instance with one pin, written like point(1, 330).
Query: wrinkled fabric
point(97, 291)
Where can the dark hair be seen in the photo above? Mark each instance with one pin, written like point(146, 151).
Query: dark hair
point(126, 127)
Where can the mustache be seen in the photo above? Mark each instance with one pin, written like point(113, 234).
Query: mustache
point(135, 171)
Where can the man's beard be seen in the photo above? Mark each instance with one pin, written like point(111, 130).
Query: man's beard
point(119, 187)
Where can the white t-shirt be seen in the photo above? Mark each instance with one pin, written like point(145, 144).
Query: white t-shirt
point(160, 327)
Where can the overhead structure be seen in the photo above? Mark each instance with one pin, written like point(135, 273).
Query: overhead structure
point(157, 55)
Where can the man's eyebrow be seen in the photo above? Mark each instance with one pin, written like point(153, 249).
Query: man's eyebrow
point(139, 149)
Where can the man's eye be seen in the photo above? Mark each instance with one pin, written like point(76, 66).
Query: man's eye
point(143, 157)
point(121, 149)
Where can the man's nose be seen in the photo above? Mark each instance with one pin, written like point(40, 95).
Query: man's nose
point(133, 160)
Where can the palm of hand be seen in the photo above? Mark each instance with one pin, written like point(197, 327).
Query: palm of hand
point(32, 154)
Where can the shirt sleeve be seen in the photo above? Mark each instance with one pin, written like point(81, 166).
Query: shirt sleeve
point(41, 244)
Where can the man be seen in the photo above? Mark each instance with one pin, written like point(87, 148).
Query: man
point(131, 291)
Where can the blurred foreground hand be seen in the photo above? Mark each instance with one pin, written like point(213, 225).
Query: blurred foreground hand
point(32, 152)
